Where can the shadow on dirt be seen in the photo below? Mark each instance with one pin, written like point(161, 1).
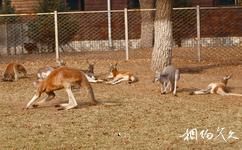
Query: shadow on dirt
point(199, 69)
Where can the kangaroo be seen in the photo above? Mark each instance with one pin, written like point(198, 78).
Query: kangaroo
point(90, 73)
point(61, 78)
point(119, 76)
point(42, 73)
point(168, 79)
point(219, 88)
point(90, 70)
point(31, 47)
point(13, 72)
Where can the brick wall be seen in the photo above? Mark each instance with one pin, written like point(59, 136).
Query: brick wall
point(203, 3)
point(102, 4)
point(25, 6)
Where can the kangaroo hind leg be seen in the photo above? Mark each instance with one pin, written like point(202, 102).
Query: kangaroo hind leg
point(177, 77)
point(202, 91)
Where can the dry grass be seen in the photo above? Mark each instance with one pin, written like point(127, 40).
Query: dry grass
point(138, 117)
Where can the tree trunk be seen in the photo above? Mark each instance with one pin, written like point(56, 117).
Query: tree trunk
point(162, 52)
point(147, 25)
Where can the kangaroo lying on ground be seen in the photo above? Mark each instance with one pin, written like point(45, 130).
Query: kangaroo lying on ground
point(60, 78)
point(119, 76)
point(13, 72)
point(216, 88)
point(168, 79)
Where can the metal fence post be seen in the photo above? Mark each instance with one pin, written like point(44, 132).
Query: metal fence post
point(198, 34)
point(109, 25)
point(56, 36)
point(126, 33)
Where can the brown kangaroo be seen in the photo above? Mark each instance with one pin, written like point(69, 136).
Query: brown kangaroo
point(13, 72)
point(62, 78)
point(217, 88)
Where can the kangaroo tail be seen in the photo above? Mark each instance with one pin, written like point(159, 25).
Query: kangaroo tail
point(91, 95)
point(232, 94)
point(85, 83)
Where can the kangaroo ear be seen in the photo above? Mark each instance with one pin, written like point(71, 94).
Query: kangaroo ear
point(227, 77)
point(61, 62)
point(157, 74)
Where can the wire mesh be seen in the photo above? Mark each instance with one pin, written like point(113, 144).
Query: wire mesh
point(185, 33)
point(220, 33)
point(83, 31)
point(141, 33)
point(27, 34)
point(88, 32)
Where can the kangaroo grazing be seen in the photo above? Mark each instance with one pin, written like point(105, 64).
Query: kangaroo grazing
point(217, 88)
point(13, 72)
point(42, 73)
point(60, 78)
point(119, 76)
point(168, 79)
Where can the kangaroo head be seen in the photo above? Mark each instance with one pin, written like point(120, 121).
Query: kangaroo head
point(37, 83)
point(20, 68)
point(113, 67)
point(226, 78)
point(60, 63)
point(157, 76)
point(112, 70)
point(40, 85)
point(90, 66)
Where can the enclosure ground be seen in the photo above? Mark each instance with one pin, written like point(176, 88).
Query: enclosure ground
point(130, 116)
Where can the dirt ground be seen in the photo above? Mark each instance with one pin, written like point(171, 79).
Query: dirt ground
point(132, 116)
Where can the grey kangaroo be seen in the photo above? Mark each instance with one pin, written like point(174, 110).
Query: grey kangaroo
point(168, 78)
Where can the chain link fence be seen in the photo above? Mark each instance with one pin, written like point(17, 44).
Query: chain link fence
point(198, 33)
point(21, 34)
point(221, 34)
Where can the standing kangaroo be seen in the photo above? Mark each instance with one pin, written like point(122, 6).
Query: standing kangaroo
point(13, 72)
point(168, 79)
point(61, 78)
point(219, 88)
